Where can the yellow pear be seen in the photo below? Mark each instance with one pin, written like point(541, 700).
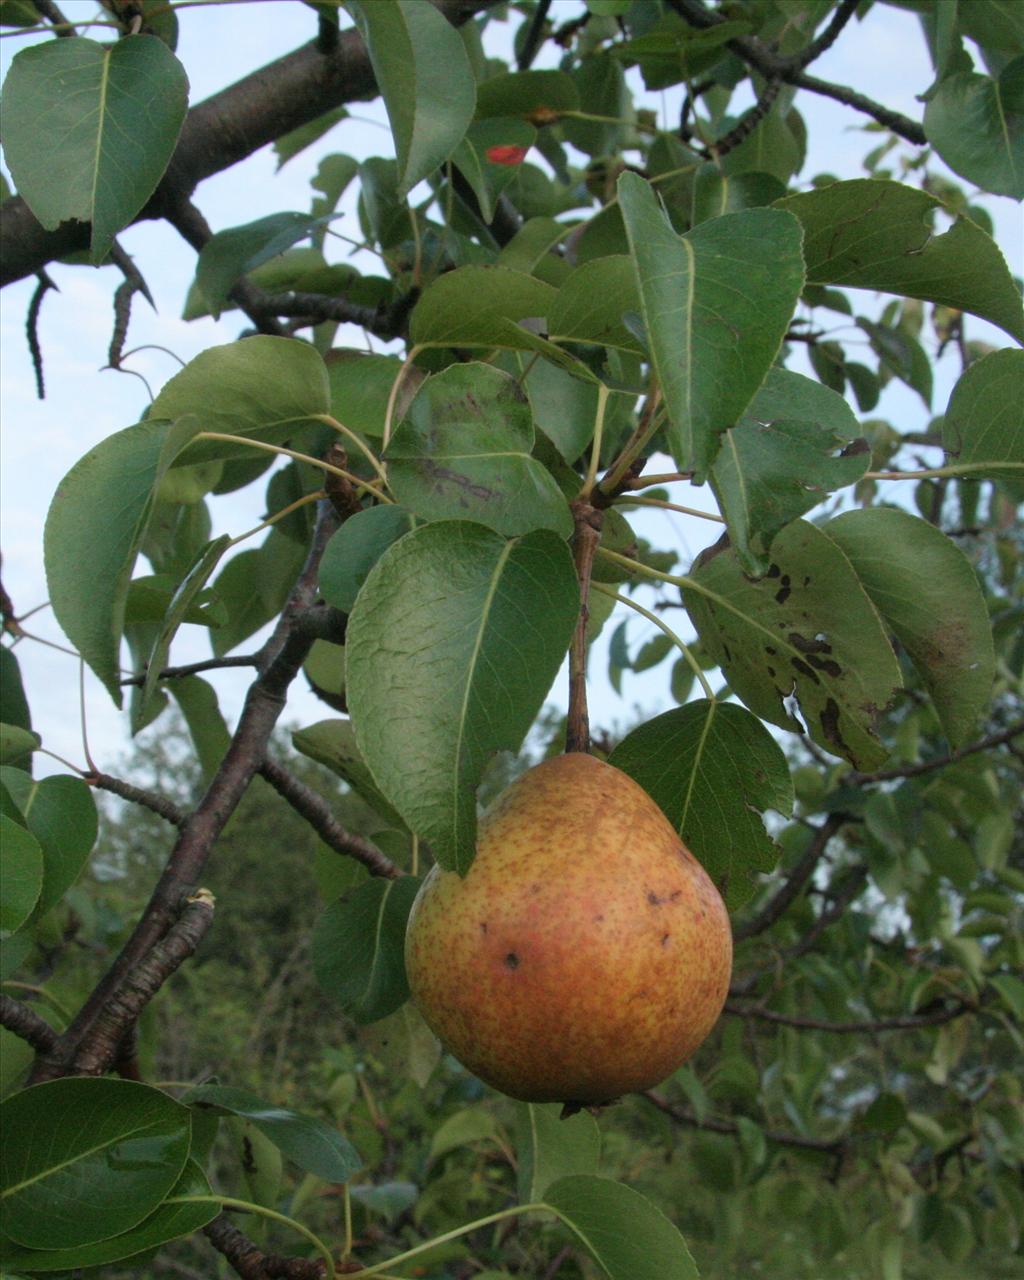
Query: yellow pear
point(586, 953)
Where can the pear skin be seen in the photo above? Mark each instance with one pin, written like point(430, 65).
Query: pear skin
point(585, 954)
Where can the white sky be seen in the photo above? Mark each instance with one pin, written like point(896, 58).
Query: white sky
point(884, 56)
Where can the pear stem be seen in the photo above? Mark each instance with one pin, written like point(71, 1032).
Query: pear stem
point(588, 534)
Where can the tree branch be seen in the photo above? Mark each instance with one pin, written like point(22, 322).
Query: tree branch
point(158, 804)
point(193, 668)
point(770, 64)
point(317, 812)
point(795, 881)
point(250, 1262)
point(588, 534)
point(834, 1147)
point(218, 133)
point(535, 35)
point(280, 660)
point(1015, 730)
point(105, 1045)
point(911, 1022)
point(27, 1025)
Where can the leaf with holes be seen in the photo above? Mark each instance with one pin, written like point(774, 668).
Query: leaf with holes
point(927, 592)
point(713, 769)
point(806, 630)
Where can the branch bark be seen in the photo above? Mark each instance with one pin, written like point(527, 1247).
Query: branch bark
point(218, 133)
point(588, 534)
point(27, 1025)
point(280, 661)
point(834, 1146)
point(250, 1262)
point(910, 1022)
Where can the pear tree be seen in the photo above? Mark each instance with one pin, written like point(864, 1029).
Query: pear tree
point(588, 386)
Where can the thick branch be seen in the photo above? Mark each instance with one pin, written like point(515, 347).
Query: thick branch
point(911, 1022)
point(280, 661)
point(795, 881)
point(104, 1044)
point(317, 812)
point(835, 1147)
point(250, 1262)
point(27, 1025)
point(218, 133)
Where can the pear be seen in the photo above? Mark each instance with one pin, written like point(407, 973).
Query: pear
point(585, 954)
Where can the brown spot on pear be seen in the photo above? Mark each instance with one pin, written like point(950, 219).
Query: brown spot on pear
point(599, 1006)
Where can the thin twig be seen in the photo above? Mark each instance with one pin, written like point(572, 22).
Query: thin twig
point(915, 770)
point(795, 881)
point(157, 804)
point(834, 1147)
point(27, 1025)
point(749, 121)
point(535, 35)
point(194, 668)
point(250, 1262)
point(910, 1022)
point(317, 812)
point(588, 521)
point(32, 330)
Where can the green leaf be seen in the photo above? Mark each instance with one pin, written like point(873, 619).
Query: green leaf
point(875, 234)
point(462, 1129)
point(487, 177)
point(404, 1045)
point(389, 1199)
point(601, 85)
point(716, 193)
point(737, 275)
point(312, 1144)
point(253, 587)
point(106, 1151)
point(89, 129)
point(332, 743)
point(355, 548)
point(22, 863)
point(423, 72)
point(463, 452)
point(626, 1235)
point(976, 124)
point(361, 387)
point(169, 1222)
point(359, 945)
point(229, 255)
point(197, 700)
point(61, 813)
point(14, 709)
point(467, 631)
point(767, 474)
point(713, 769)
point(262, 387)
point(1012, 991)
point(983, 428)
point(477, 307)
point(592, 301)
point(17, 744)
point(927, 592)
point(531, 95)
point(177, 610)
point(93, 531)
point(563, 407)
point(807, 629)
point(549, 1148)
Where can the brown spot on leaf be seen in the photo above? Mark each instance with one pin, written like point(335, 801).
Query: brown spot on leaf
point(784, 591)
point(829, 718)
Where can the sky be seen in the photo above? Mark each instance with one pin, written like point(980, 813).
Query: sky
point(884, 55)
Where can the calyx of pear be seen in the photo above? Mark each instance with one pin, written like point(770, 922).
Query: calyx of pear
point(585, 954)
